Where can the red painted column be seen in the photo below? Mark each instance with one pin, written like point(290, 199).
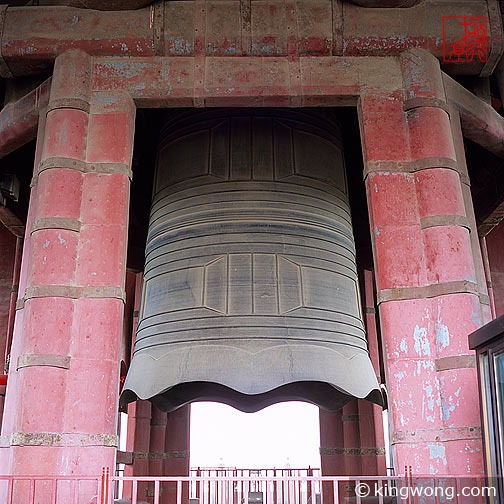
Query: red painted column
point(11, 398)
point(495, 246)
point(157, 441)
point(332, 444)
point(351, 439)
point(7, 260)
point(13, 298)
point(476, 245)
point(156, 447)
point(351, 436)
point(488, 276)
point(138, 439)
point(61, 411)
point(139, 419)
point(369, 451)
point(371, 417)
point(426, 281)
point(177, 446)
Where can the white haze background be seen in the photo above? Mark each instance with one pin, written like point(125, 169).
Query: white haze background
point(282, 435)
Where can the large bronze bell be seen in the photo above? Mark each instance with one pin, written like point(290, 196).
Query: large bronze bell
point(250, 292)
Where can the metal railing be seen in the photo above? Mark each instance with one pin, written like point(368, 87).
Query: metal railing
point(241, 489)
point(235, 471)
point(53, 489)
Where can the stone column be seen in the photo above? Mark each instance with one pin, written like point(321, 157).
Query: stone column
point(332, 458)
point(156, 448)
point(138, 438)
point(11, 397)
point(61, 410)
point(13, 299)
point(495, 245)
point(7, 259)
point(177, 446)
point(139, 419)
point(157, 442)
point(371, 416)
point(351, 436)
point(426, 280)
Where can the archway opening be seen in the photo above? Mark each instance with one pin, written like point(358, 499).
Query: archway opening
point(284, 435)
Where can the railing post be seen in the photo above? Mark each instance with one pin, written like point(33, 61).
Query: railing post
point(104, 485)
point(409, 482)
point(275, 487)
point(198, 483)
point(10, 490)
point(309, 473)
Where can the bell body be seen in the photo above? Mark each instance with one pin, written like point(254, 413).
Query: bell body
point(250, 290)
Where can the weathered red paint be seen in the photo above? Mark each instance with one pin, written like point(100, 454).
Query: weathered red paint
point(402, 104)
point(177, 446)
point(371, 425)
point(19, 120)
point(248, 81)
point(332, 443)
point(351, 444)
point(139, 417)
point(427, 432)
point(157, 441)
point(495, 245)
point(270, 29)
point(7, 260)
point(8, 245)
point(10, 399)
point(488, 275)
point(386, 3)
point(86, 327)
point(478, 120)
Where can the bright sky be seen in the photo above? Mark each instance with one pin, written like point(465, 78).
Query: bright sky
point(285, 433)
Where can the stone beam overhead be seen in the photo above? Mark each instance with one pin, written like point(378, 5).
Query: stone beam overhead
point(19, 120)
point(480, 122)
point(251, 81)
point(386, 3)
point(32, 37)
point(138, 4)
point(246, 81)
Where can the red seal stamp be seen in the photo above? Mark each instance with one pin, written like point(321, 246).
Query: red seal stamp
point(472, 42)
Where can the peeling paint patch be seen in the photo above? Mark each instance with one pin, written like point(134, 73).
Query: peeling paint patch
point(387, 353)
point(422, 346)
point(442, 336)
point(430, 398)
point(437, 452)
point(449, 404)
point(476, 314)
point(400, 375)
point(423, 364)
